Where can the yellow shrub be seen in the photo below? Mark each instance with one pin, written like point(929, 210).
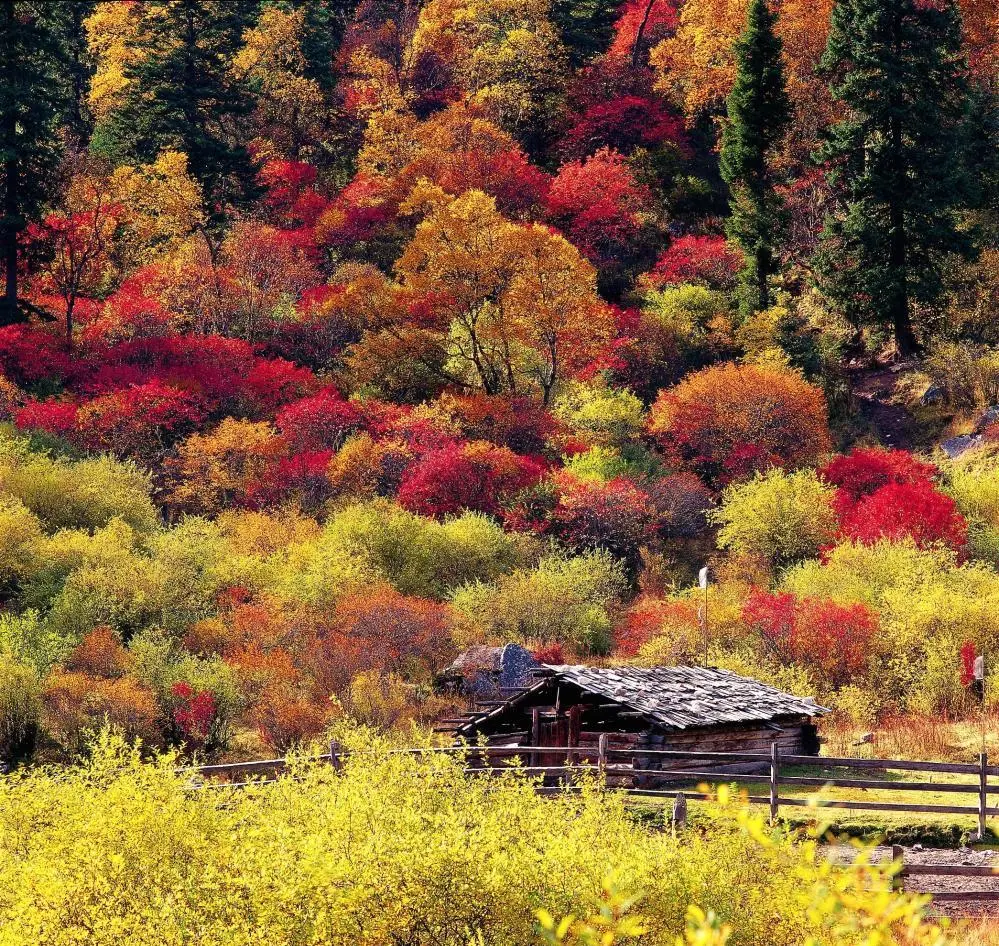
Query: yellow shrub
point(396, 850)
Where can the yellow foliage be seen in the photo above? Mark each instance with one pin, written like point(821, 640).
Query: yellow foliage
point(290, 106)
point(398, 849)
point(111, 32)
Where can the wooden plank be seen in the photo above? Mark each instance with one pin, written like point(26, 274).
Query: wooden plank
point(674, 775)
point(966, 789)
point(955, 768)
point(944, 896)
point(949, 870)
point(883, 806)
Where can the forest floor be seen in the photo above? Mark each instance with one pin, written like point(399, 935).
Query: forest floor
point(877, 394)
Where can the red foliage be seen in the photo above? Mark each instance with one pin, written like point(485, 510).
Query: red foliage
point(656, 20)
point(906, 510)
point(968, 655)
point(648, 618)
point(617, 516)
point(520, 423)
point(730, 421)
point(625, 123)
point(138, 421)
point(29, 355)
point(549, 654)
point(820, 634)
point(866, 470)
point(193, 713)
point(322, 421)
point(476, 476)
point(600, 205)
point(52, 416)
point(708, 260)
point(273, 382)
point(133, 311)
point(292, 199)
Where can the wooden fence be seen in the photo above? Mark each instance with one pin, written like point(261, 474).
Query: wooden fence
point(647, 778)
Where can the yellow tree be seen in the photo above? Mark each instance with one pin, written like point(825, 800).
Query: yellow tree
point(507, 54)
point(696, 66)
point(111, 39)
point(516, 304)
point(291, 111)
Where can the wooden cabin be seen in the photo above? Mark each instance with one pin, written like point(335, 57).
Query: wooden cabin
point(678, 708)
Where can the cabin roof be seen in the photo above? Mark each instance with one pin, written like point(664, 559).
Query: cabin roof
point(670, 697)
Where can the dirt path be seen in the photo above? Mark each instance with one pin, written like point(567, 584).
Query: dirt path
point(875, 390)
point(936, 884)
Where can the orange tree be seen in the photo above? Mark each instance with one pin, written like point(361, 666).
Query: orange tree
point(732, 420)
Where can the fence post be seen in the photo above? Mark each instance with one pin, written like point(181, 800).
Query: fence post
point(774, 796)
point(602, 754)
point(679, 818)
point(983, 793)
point(335, 759)
point(898, 861)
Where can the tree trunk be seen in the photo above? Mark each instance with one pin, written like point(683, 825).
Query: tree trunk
point(8, 238)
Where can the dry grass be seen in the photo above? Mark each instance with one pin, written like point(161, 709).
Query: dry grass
point(925, 738)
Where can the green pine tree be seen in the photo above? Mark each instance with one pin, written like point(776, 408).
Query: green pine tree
point(896, 161)
point(759, 112)
point(31, 104)
point(182, 96)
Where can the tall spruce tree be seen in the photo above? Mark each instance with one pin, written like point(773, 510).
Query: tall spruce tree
point(31, 105)
point(182, 96)
point(759, 113)
point(896, 160)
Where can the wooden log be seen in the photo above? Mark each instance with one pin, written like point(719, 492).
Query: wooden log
point(983, 793)
point(949, 870)
point(944, 896)
point(898, 861)
point(774, 797)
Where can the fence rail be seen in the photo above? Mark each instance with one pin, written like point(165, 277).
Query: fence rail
point(638, 765)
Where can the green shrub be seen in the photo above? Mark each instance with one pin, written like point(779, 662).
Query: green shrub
point(563, 600)
point(778, 516)
point(20, 711)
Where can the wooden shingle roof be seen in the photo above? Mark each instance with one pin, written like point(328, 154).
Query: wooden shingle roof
point(685, 697)
point(670, 697)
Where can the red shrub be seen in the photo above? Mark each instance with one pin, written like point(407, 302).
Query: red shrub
point(625, 124)
point(322, 421)
point(708, 260)
point(864, 471)
point(968, 656)
point(52, 416)
point(649, 618)
point(29, 355)
point(617, 516)
point(139, 421)
point(549, 654)
point(274, 382)
point(193, 713)
point(476, 476)
point(830, 638)
point(600, 205)
point(520, 423)
point(906, 510)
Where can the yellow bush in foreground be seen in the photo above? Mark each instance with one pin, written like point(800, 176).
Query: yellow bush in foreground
point(394, 851)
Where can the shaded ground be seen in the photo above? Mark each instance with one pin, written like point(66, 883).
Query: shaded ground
point(875, 393)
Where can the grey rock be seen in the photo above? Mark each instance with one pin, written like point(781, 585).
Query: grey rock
point(932, 395)
point(958, 446)
point(987, 419)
